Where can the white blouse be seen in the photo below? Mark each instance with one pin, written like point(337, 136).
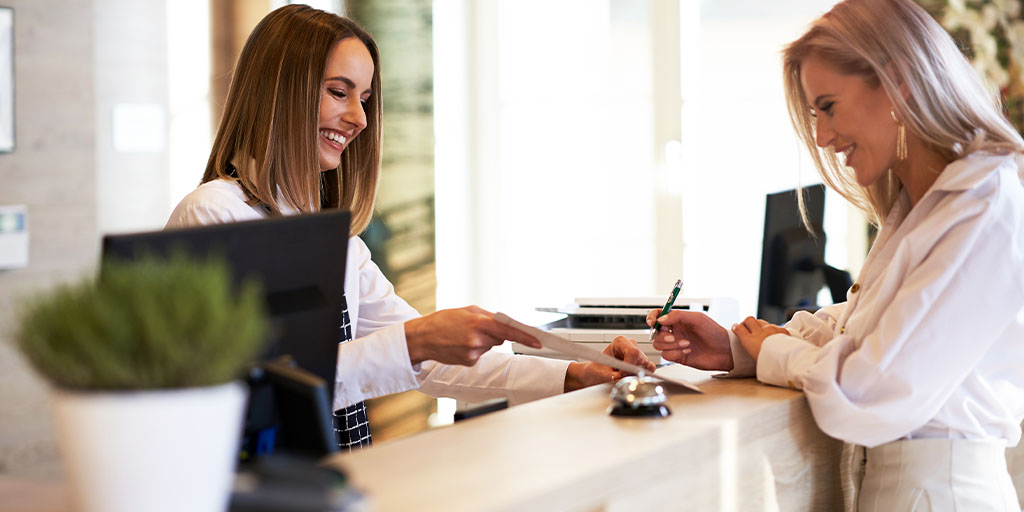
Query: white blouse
point(930, 342)
point(376, 362)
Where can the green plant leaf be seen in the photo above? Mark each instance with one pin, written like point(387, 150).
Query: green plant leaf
point(148, 324)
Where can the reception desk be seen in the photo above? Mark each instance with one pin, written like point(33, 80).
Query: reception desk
point(739, 446)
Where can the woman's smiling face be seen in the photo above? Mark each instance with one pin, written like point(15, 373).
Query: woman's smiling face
point(344, 93)
point(852, 117)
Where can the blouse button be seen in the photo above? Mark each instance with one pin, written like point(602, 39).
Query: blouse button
point(855, 288)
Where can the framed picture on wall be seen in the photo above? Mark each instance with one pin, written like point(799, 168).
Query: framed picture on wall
point(6, 79)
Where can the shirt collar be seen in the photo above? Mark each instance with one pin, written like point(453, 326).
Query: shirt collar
point(967, 172)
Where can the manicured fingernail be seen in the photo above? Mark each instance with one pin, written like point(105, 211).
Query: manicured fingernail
point(669, 337)
point(686, 351)
point(683, 344)
point(662, 318)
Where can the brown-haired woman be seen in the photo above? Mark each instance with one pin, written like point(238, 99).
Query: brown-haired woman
point(301, 131)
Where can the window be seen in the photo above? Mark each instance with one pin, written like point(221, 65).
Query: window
point(606, 148)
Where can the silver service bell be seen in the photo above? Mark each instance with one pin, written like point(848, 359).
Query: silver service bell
point(638, 396)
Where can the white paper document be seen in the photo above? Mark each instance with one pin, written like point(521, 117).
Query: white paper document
point(563, 346)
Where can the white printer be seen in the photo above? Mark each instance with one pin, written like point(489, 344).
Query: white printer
point(598, 321)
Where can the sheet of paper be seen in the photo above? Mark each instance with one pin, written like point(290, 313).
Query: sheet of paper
point(578, 351)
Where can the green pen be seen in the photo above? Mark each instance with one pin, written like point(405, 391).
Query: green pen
point(668, 307)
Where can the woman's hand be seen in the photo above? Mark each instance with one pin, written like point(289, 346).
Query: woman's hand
point(752, 333)
point(581, 375)
point(693, 339)
point(459, 336)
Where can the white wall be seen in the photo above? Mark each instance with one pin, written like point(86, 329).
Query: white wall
point(741, 145)
point(188, 99)
point(130, 58)
point(548, 152)
point(557, 174)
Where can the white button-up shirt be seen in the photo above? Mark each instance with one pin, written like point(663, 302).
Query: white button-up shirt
point(376, 362)
point(931, 341)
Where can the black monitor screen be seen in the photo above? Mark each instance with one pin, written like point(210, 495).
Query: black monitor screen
point(300, 262)
point(792, 259)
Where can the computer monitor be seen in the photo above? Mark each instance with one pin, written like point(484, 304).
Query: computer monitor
point(300, 262)
point(792, 258)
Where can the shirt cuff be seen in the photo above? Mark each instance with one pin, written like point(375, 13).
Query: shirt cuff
point(742, 364)
point(773, 361)
point(373, 366)
point(532, 378)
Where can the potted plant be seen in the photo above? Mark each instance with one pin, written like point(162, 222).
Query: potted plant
point(144, 363)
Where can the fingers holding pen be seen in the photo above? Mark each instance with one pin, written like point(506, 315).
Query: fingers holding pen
point(652, 316)
point(676, 355)
point(669, 342)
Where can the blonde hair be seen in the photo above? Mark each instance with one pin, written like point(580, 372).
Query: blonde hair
point(270, 119)
point(896, 44)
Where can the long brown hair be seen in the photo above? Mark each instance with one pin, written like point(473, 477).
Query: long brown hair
point(269, 125)
point(894, 44)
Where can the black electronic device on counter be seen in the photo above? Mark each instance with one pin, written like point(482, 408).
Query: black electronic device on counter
point(288, 412)
point(281, 483)
point(793, 268)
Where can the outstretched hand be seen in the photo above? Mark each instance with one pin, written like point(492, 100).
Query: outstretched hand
point(459, 336)
point(581, 375)
point(693, 339)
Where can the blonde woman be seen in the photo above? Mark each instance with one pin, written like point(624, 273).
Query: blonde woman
point(924, 363)
point(301, 131)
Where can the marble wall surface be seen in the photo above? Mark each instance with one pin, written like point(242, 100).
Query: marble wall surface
point(77, 63)
point(53, 171)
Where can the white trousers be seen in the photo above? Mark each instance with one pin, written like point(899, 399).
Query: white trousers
point(928, 475)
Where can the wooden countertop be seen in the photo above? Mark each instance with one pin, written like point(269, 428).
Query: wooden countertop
point(739, 446)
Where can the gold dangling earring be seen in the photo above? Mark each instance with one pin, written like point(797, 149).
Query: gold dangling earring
point(901, 137)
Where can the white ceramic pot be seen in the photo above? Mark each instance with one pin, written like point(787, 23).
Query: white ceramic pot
point(172, 450)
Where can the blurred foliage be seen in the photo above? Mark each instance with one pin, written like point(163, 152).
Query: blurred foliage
point(148, 324)
point(991, 33)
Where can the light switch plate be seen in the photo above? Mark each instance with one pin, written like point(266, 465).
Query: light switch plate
point(13, 236)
